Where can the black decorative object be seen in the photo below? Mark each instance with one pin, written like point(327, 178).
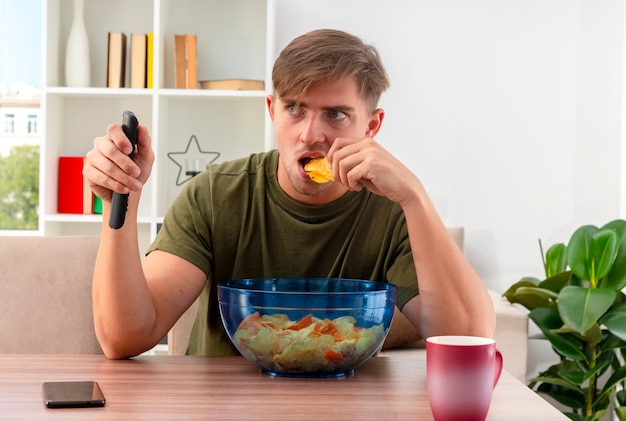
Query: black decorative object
point(191, 162)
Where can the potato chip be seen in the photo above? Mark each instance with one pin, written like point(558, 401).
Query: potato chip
point(308, 345)
point(319, 170)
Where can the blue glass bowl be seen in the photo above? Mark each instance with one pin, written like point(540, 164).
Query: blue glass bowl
point(306, 327)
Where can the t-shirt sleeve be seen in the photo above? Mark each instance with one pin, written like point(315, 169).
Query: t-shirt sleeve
point(402, 272)
point(185, 231)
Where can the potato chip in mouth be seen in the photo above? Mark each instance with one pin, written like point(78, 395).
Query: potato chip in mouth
point(319, 170)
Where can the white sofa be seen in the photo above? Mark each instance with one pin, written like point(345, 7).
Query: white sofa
point(45, 305)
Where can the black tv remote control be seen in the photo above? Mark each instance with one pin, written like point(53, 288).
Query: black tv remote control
point(119, 202)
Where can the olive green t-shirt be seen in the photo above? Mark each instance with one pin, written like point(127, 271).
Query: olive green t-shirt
point(234, 221)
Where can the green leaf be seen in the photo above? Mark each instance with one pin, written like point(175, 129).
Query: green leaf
point(615, 321)
point(579, 377)
point(592, 252)
point(580, 308)
point(578, 250)
point(616, 279)
point(592, 336)
point(556, 259)
point(596, 415)
point(546, 319)
point(533, 297)
point(602, 253)
point(621, 297)
point(567, 346)
point(540, 292)
point(616, 377)
point(621, 413)
point(609, 356)
point(556, 381)
point(556, 282)
point(561, 391)
point(575, 377)
point(524, 282)
point(611, 342)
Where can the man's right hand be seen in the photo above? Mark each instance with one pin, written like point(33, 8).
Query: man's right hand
point(108, 167)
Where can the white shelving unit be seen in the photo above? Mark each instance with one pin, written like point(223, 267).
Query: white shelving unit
point(235, 40)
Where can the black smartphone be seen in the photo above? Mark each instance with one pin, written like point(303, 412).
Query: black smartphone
point(79, 394)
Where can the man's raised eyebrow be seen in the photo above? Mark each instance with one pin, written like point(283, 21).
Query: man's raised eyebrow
point(303, 104)
point(339, 108)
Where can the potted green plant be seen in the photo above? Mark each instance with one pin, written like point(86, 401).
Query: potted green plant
point(580, 309)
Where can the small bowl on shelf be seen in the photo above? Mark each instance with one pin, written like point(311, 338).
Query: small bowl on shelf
point(306, 327)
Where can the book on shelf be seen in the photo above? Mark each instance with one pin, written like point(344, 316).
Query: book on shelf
point(185, 61)
point(233, 84)
point(97, 205)
point(180, 63)
point(150, 61)
point(192, 61)
point(74, 193)
point(138, 60)
point(116, 60)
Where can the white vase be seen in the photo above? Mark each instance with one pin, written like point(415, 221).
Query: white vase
point(77, 68)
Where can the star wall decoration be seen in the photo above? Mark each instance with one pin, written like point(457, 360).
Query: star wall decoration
point(191, 156)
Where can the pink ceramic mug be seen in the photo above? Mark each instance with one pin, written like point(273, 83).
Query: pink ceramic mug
point(462, 372)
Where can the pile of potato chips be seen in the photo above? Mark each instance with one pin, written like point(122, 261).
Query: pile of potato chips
point(308, 345)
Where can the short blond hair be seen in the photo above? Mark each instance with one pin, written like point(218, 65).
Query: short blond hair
point(328, 54)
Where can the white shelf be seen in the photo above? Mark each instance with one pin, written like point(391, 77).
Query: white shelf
point(64, 217)
point(97, 92)
point(210, 93)
point(235, 40)
point(77, 218)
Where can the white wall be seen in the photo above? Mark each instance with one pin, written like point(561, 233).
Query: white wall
point(508, 110)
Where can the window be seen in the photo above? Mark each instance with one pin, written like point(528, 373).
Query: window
point(32, 124)
point(9, 123)
point(20, 76)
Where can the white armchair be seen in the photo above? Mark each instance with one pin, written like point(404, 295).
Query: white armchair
point(511, 325)
point(45, 304)
point(511, 333)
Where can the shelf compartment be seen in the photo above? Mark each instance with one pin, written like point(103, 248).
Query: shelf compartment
point(232, 127)
point(231, 37)
point(72, 122)
point(101, 17)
